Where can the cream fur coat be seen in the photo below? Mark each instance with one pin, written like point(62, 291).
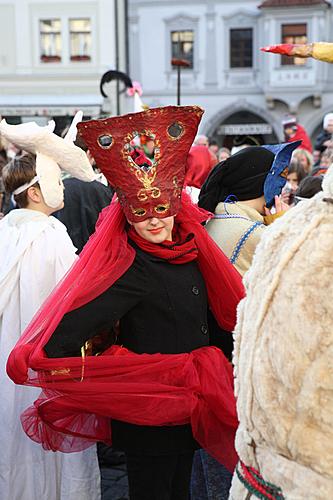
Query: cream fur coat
point(284, 354)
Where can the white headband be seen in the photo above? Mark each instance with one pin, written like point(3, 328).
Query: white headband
point(25, 186)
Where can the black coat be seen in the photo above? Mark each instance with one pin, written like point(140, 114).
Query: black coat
point(83, 202)
point(321, 138)
point(162, 308)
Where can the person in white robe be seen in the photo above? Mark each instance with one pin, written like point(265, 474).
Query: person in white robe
point(35, 253)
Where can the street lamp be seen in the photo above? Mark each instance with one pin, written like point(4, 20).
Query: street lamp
point(179, 63)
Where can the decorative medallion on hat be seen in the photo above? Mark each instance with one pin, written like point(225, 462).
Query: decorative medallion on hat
point(143, 156)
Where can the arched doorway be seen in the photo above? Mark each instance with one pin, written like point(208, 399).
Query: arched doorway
point(235, 129)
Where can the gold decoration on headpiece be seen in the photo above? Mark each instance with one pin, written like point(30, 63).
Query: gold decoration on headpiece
point(147, 179)
point(139, 212)
point(162, 208)
point(177, 186)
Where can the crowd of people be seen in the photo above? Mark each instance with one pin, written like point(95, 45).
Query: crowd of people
point(125, 324)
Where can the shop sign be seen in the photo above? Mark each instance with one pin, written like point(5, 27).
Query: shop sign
point(48, 110)
point(245, 129)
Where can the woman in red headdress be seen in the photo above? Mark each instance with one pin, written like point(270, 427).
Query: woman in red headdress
point(125, 336)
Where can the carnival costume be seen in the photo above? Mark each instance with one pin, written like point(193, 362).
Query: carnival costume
point(283, 351)
point(35, 253)
point(283, 356)
point(161, 373)
point(323, 51)
point(246, 175)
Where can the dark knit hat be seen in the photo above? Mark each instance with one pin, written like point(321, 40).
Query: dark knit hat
point(242, 175)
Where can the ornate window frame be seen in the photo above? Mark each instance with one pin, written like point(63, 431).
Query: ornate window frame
point(64, 18)
point(182, 22)
point(240, 19)
point(284, 20)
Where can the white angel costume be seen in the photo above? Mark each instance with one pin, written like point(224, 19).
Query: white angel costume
point(35, 253)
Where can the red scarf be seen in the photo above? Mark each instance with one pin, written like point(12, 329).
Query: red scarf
point(179, 251)
point(81, 395)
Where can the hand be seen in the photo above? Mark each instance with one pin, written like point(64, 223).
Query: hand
point(285, 197)
point(328, 144)
point(279, 205)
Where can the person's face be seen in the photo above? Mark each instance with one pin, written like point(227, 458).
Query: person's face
point(303, 161)
point(325, 161)
point(214, 148)
point(202, 142)
point(36, 201)
point(155, 230)
point(316, 156)
point(329, 127)
point(289, 131)
point(224, 155)
point(293, 180)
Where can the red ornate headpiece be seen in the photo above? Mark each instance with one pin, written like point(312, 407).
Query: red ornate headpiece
point(148, 183)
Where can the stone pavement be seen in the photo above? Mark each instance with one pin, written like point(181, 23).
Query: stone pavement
point(113, 473)
point(114, 482)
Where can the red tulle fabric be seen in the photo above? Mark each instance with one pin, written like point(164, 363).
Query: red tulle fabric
point(200, 162)
point(81, 395)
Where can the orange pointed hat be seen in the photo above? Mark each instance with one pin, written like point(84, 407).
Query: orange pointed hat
point(146, 185)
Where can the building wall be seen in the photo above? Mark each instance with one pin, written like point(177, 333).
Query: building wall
point(262, 93)
point(30, 87)
point(266, 91)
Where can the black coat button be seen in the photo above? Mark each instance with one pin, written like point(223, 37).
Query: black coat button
point(204, 329)
point(195, 290)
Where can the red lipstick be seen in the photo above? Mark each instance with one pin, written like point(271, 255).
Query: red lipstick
point(156, 230)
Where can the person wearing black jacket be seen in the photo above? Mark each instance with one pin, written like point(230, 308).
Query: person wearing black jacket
point(159, 303)
point(83, 204)
point(324, 139)
point(162, 308)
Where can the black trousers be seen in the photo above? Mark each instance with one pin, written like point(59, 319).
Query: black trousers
point(163, 477)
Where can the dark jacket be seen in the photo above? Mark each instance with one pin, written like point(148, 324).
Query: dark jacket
point(83, 202)
point(321, 138)
point(162, 308)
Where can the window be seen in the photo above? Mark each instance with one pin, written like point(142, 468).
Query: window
point(241, 50)
point(50, 40)
point(80, 39)
point(182, 43)
point(293, 33)
point(56, 35)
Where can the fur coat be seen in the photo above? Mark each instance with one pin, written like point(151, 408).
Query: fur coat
point(284, 351)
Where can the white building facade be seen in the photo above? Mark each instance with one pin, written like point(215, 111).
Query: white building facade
point(243, 90)
point(53, 54)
